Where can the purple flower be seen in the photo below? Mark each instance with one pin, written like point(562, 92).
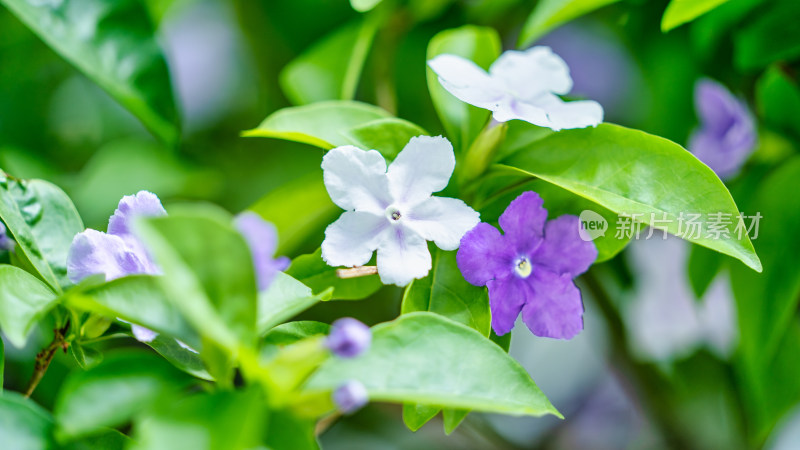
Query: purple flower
point(117, 253)
point(727, 134)
point(348, 338)
point(350, 396)
point(262, 238)
point(530, 268)
point(6, 243)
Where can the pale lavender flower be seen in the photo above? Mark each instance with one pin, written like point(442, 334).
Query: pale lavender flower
point(262, 238)
point(727, 133)
point(348, 338)
point(530, 268)
point(6, 243)
point(350, 396)
point(522, 85)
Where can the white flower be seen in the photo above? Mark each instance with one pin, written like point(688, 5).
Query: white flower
point(392, 210)
point(521, 85)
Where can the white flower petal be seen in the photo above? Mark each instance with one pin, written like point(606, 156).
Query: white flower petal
point(533, 72)
point(94, 252)
point(423, 166)
point(580, 114)
point(403, 256)
point(443, 221)
point(516, 109)
point(356, 179)
point(143, 334)
point(466, 81)
point(351, 240)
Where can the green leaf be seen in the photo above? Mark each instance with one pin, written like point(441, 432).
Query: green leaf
point(323, 124)
point(208, 271)
point(549, 14)
point(180, 357)
point(286, 430)
point(138, 299)
point(767, 37)
point(114, 44)
point(109, 439)
point(703, 267)
point(291, 332)
point(462, 121)
point(315, 273)
point(24, 300)
point(417, 415)
point(778, 100)
point(85, 357)
point(296, 225)
point(631, 172)
point(364, 5)
point(112, 392)
point(234, 420)
point(24, 424)
point(42, 220)
point(453, 418)
point(520, 135)
point(330, 69)
point(679, 12)
point(388, 135)
point(284, 299)
point(445, 291)
point(2, 364)
point(429, 359)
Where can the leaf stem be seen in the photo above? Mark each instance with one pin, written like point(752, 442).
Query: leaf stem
point(355, 272)
point(44, 357)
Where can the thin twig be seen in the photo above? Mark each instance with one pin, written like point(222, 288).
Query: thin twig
point(44, 357)
point(355, 272)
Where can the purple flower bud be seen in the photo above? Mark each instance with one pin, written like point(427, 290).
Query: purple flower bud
point(348, 338)
point(262, 238)
point(350, 397)
point(6, 243)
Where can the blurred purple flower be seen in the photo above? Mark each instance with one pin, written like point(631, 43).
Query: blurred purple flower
point(117, 253)
point(262, 238)
point(348, 338)
point(727, 133)
point(350, 396)
point(530, 268)
point(6, 243)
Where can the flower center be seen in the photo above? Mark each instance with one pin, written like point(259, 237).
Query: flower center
point(523, 267)
point(393, 214)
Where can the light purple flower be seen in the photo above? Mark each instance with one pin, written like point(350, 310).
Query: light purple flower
point(117, 253)
point(262, 238)
point(6, 243)
point(727, 133)
point(350, 396)
point(348, 338)
point(530, 268)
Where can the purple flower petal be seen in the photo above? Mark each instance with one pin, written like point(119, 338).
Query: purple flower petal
point(523, 222)
point(350, 397)
point(348, 338)
point(143, 204)
point(262, 238)
point(6, 243)
point(507, 296)
point(94, 252)
point(484, 255)
point(563, 251)
point(555, 309)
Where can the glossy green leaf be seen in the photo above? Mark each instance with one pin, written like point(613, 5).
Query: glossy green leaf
point(453, 418)
point(445, 291)
point(778, 100)
point(291, 332)
point(284, 299)
point(138, 299)
point(767, 37)
point(111, 393)
point(315, 273)
point(323, 124)
point(520, 135)
point(631, 172)
point(330, 69)
point(364, 5)
point(417, 415)
point(235, 420)
point(388, 136)
point(217, 295)
point(296, 225)
point(86, 357)
point(24, 300)
point(180, 356)
point(43, 221)
point(679, 12)
point(426, 358)
point(462, 121)
point(114, 44)
point(549, 14)
point(24, 424)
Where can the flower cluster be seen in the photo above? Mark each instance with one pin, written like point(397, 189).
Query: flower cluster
point(349, 338)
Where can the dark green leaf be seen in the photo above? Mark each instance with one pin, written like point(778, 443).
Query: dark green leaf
point(426, 358)
point(323, 124)
point(114, 44)
point(768, 37)
point(462, 121)
point(24, 300)
point(549, 14)
point(445, 291)
point(631, 172)
point(291, 332)
point(288, 431)
point(180, 356)
point(315, 273)
point(388, 136)
point(779, 101)
point(679, 12)
point(284, 299)
point(111, 393)
point(106, 440)
point(24, 424)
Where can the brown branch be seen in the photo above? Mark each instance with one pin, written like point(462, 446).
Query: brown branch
point(44, 357)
